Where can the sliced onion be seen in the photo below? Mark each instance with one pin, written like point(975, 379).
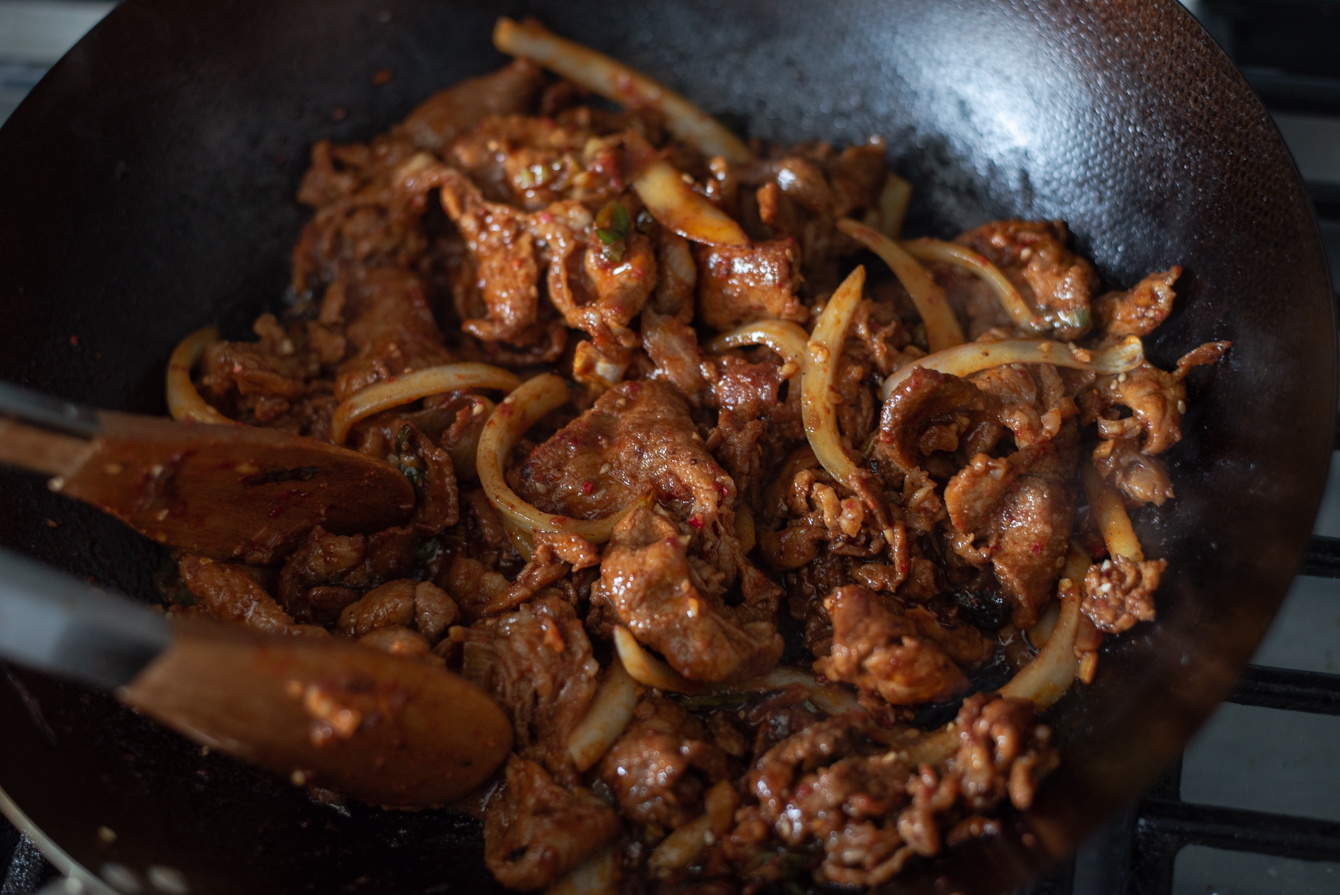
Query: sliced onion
point(675, 206)
point(610, 712)
point(1042, 631)
point(598, 875)
point(616, 81)
point(682, 847)
point(509, 421)
point(414, 386)
point(1109, 514)
point(649, 671)
point(782, 336)
point(1010, 299)
point(183, 401)
point(893, 201)
point(522, 542)
point(942, 327)
point(817, 407)
point(964, 360)
point(831, 698)
point(744, 528)
point(1053, 669)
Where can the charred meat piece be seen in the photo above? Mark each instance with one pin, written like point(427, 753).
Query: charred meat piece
point(1119, 592)
point(536, 831)
point(881, 652)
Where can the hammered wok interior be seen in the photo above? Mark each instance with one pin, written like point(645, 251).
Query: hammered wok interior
point(146, 189)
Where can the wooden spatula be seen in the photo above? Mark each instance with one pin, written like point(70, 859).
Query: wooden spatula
point(322, 711)
point(227, 492)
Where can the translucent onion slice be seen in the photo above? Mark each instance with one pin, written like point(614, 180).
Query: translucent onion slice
point(610, 712)
point(415, 386)
point(942, 327)
point(782, 336)
point(818, 401)
point(675, 206)
point(522, 542)
point(1053, 670)
point(598, 875)
point(518, 412)
point(893, 201)
point(1010, 299)
point(649, 671)
point(183, 401)
point(831, 698)
point(964, 360)
point(1109, 514)
point(682, 847)
point(616, 81)
point(1042, 631)
point(745, 532)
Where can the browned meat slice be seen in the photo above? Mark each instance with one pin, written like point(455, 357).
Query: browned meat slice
point(660, 594)
point(661, 766)
point(506, 269)
point(677, 275)
point(540, 670)
point(389, 326)
point(406, 603)
point(1141, 477)
point(1120, 592)
point(882, 652)
point(1052, 279)
point(1157, 400)
point(1030, 541)
point(1138, 311)
point(930, 412)
point(536, 831)
point(533, 162)
point(739, 284)
point(1033, 400)
point(280, 381)
point(976, 490)
point(637, 438)
point(231, 593)
point(1003, 751)
point(445, 115)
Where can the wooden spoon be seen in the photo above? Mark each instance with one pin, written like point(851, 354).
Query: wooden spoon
point(321, 711)
point(227, 492)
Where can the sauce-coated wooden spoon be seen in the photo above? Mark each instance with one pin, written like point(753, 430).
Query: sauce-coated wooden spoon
point(323, 711)
point(227, 492)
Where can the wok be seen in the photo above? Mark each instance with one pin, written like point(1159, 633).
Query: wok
point(146, 189)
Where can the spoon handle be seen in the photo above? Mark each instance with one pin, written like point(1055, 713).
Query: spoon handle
point(53, 622)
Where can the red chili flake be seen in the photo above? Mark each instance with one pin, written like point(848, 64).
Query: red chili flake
point(722, 490)
point(588, 486)
point(277, 512)
point(1037, 549)
point(52, 523)
point(545, 217)
point(74, 340)
point(696, 520)
point(339, 113)
point(382, 76)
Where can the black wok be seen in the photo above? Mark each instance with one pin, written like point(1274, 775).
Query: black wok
point(145, 190)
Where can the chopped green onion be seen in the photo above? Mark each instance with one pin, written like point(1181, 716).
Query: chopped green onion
point(401, 439)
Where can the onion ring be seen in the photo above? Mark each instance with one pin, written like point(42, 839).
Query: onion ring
point(782, 336)
point(610, 712)
point(183, 401)
point(675, 206)
point(616, 81)
point(964, 360)
point(412, 387)
point(942, 327)
point(1109, 514)
point(508, 422)
point(952, 253)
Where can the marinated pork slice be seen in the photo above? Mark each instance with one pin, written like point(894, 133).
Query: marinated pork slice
point(638, 438)
point(421, 605)
point(231, 593)
point(447, 114)
point(535, 830)
point(740, 284)
point(881, 652)
point(1137, 311)
point(669, 602)
point(660, 767)
point(1119, 592)
point(540, 670)
point(1052, 279)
